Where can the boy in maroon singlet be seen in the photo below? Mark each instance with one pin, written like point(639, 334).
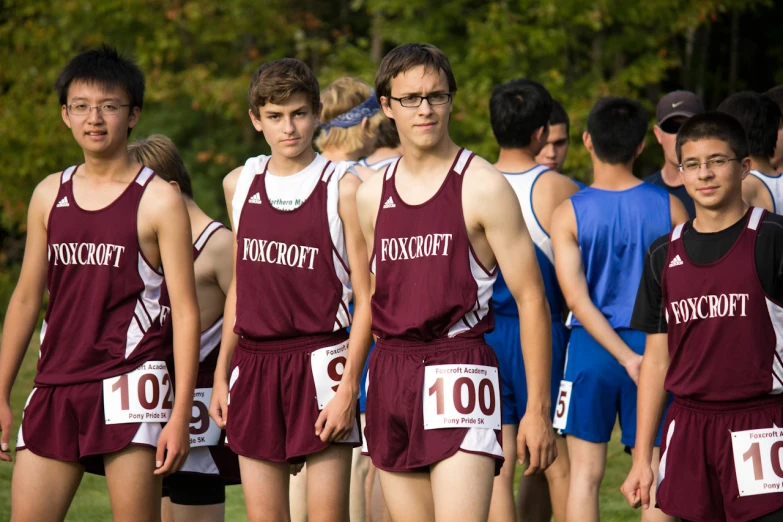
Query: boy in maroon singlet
point(198, 490)
point(439, 222)
point(710, 300)
point(287, 379)
point(98, 238)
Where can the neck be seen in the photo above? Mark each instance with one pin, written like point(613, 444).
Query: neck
point(715, 220)
point(339, 155)
point(763, 165)
point(515, 160)
point(671, 175)
point(115, 166)
point(198, 218)
point(613, 177)
point(428, 161)
point(283, 166)
point(382, 154)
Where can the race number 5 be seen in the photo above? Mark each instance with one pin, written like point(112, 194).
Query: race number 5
point(561, 409)
point(203, 430)
point(461, 396)
point(328, 366)
point(757, 461)
point(143, 395)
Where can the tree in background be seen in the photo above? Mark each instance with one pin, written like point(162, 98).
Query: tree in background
point(199, 55)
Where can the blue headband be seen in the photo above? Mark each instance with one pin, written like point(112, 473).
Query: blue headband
point(354, 116)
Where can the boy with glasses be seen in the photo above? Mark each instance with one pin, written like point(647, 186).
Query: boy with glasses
point(673, 110)
point(710, 302)
point(439, 222)
point(99, 236)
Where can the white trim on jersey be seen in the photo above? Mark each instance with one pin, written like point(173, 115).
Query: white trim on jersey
point(484, 283)
point(378, 165)
point(147, 306)
point(677, 231)
point(464, 156)
point(755, 218)
point(523, 184)
point(340, 251)
point(144, 176)
point(253, 167)
point(67, 173)
point(776, 318)
point(210, 339)
point(478, 440)
point(200, 461)
point(775, 188)
point(206, 234)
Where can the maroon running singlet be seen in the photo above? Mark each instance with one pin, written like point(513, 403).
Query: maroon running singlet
point(293, 289)
point(725, 338)
point(430, 310)
point(106, 316)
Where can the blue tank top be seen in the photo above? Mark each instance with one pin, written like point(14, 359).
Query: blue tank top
point(502, 300)
point(614, 231)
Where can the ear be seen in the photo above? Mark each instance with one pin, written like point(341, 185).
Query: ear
point(588, 141)
point(363, 124)
point(386, 106)
point(541, 134)
point(133, 117)
point(639, 149)
point(176, 187)
point(66, 117)
point(745, 164)
point(256, 122)
point(658, 134)
point(318, 113)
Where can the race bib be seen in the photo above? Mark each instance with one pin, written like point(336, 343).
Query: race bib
point(461, 396)
point(757, 461)
point(328, 366)
point(143, 395)
point(203, 430)
point(561, 410)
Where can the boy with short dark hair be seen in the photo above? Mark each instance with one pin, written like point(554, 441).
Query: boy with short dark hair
point(600, 235)
point(98, 238)
point(710, 302)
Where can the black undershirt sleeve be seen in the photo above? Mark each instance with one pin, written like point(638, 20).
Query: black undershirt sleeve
point(648, 313)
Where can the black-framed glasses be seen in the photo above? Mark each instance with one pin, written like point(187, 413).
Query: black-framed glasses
point(712, 164)
point(82, 109)
point(440, 98)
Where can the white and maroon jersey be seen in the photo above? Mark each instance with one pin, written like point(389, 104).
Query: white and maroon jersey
point(429, 284)
point(292, 274)
point(774, 186)
point(105, 311)
point(725, 332)
point(378, 165)
point(209, 347)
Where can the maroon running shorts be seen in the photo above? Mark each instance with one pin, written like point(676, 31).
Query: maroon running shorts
point(696, 478)
point(67, 423)
point(272, 405)
point(396, 438)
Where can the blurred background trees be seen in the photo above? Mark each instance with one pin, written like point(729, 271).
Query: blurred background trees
point(199, 55)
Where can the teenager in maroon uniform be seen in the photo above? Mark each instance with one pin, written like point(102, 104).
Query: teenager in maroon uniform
point(710, 301)
point(197, 491)
point(299, 257)
point(436, 245)
point(98, 238)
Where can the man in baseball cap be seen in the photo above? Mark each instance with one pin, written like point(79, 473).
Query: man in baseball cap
point(673, 110)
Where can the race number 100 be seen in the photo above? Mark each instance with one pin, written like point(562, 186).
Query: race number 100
point(461, 396)
point(757, 461)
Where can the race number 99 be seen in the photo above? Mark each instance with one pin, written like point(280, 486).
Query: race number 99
point(143, 395)
point(461, 396)
point(328, 366)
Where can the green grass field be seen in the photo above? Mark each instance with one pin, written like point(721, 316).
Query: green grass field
point(92, 501)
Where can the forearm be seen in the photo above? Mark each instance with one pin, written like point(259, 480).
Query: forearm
point(229, 338)
point(358, 346)
point(185, 320)
point(651, 400)
point(20, 320)
point(536, 338)
point(599, 328)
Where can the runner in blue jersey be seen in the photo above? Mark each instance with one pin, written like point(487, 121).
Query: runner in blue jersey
point(600, 236)
point(520, 112)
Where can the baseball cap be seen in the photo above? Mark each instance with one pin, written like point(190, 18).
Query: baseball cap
point(678, 103)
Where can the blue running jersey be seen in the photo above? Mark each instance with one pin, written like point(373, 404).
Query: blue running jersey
point(502, 300)
point(614, 230)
